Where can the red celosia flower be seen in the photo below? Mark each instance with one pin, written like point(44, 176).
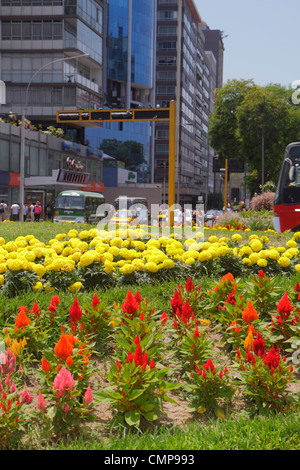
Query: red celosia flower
point(297, 287)
point(284, 306)
point(186, 312)
point(35, 309)
point(95, 302)
point(209, 366)
point(259, 345)
point(138, 297)
point(176, 302)
point(75, 313)
point(130, 305)
point(261, 274)
point(164, 318)
point(196, 333)
point(272, 359)
point(189, 286)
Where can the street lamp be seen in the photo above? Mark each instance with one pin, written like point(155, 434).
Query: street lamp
point(22, 140)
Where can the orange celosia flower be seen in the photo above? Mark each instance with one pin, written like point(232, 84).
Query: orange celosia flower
point(249, 341)
point(69, 361)
point(249, 314)
point(45, 365)
point(22, 320)
point(64, 347)
point(228, 277)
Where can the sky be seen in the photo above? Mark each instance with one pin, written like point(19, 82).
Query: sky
point(261, 38)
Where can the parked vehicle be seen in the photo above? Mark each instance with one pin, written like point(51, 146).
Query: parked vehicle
point(79, 206)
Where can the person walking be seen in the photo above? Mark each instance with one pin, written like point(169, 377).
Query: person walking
point(3, 211)
point(37, 211)
point(25, 212)
point(15, 208)
point(32, 212)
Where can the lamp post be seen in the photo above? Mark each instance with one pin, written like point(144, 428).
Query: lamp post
point(22, 140)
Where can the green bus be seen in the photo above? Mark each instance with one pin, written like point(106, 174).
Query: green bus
point(79, 207)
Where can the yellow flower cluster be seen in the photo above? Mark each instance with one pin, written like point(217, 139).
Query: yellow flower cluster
point(128, 251)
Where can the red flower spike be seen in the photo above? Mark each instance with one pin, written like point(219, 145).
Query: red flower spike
point(95, 302)
point(284, 306)
point(189, 286)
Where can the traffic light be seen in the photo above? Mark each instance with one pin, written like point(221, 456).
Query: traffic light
point(110, 115)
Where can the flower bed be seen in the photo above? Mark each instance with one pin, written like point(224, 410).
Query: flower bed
point(90, 259)
point(151, 356)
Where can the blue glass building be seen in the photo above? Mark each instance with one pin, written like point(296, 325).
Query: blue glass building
point(129, 83)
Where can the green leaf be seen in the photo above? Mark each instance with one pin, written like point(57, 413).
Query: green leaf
point(135, 393)
point(151, 416)
point(133, 417)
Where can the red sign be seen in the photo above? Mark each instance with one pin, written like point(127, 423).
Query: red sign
point(94, 186)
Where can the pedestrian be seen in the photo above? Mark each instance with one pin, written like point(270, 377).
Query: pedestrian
point(15, 209)
point(37, 211)
point(3, 211)
point(32, 211)
point(25, 212)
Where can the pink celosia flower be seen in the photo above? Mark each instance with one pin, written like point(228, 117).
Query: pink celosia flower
point(88, 396)
point(26, 396)
point(63, 382)
point(41, 405)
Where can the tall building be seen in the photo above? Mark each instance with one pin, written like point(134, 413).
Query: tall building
point(38, 41)
point(186, 71)
point(51, 58)
point(129, 83)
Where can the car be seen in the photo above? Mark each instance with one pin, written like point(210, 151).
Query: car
point(123, 217)
point(212, 215)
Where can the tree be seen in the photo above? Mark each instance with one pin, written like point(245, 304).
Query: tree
point(245, 116)
point(266, 116)
point(223, 120)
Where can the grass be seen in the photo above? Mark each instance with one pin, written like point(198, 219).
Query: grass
point(237, 432)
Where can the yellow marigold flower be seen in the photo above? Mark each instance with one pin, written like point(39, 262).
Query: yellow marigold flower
point(256, 245)
point(262, 263)
point(168, 264)
point(151, 267)
point(237, 237)
point(75, 287)
point(204, 256)
point(297, 268)
point(127, 269)
point(1, 280)
point(273, 254)
point(39, 269)
point(15, 264)
point(291, 244)
point(247, 261)
point(284, 261)
point(254, 257)
point(2, 241)
point(11, 246)
point(37, 286)
point(87, 258)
